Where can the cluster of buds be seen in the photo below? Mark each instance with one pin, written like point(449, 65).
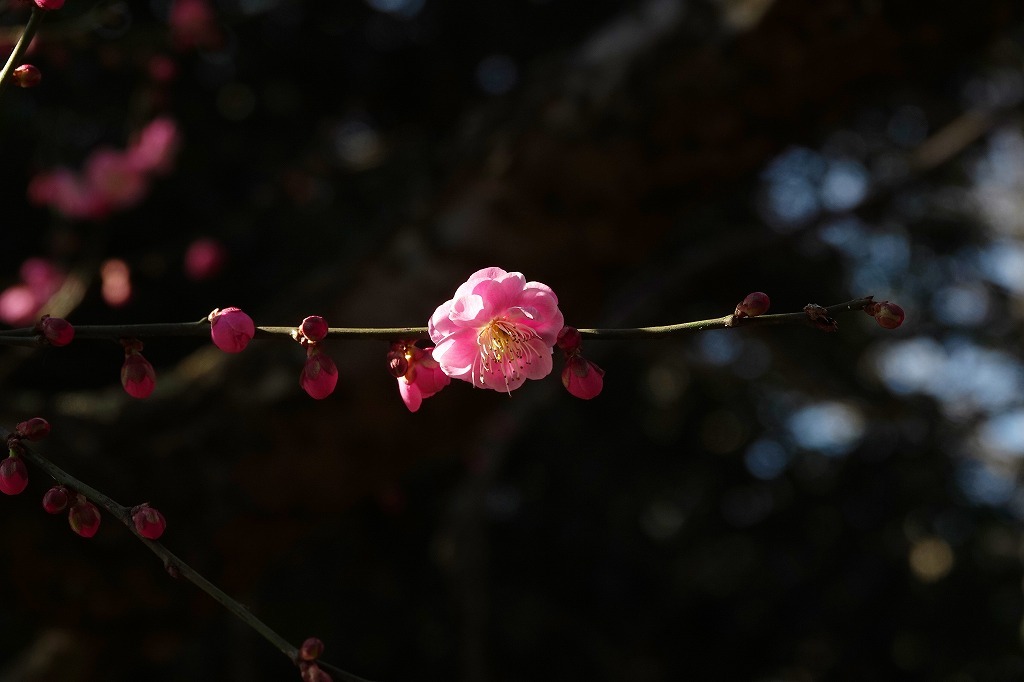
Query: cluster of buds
point(887, 315)
point(580, 376)
point(319, 375)
point(13, 471)
point(419, 375)
point(309, 652)
point(83, 516)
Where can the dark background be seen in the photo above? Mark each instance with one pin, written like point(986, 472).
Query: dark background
point(765, 504)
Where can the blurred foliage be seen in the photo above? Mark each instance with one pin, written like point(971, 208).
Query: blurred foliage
point(754, 505)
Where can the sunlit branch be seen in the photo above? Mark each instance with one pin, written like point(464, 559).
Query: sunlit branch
point(174, 565)
point(29, 336)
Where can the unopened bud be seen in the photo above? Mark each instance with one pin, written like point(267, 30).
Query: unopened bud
point(569, 339)
point(754, 304)
point(311, 649)
point(55, 500)
point(314, 328)
point(889, 315)
point(13, 475)
point(35, 428)
point(26, 76)
point(149, 522)
point(56, 331)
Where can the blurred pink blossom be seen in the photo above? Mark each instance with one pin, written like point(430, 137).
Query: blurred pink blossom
point(156, 146)
point(110, 180)
point(21, 303)
point(193, 24)
point(497, 331)
point(204, 258)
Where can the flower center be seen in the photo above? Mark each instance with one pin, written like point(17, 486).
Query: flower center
point(505, 348)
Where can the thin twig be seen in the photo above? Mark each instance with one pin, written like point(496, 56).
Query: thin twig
point(174, 565)
point(22, 46)
point(29, 336)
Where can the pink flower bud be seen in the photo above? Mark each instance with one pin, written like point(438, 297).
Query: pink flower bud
point(35, 428)
point(419, 374)
point(50, 4)
point(754, 304)
point(319, 375)
point(55, 500)
point(84, 517)
point(582, 378)
point(137, 375)
point(56, 331)
point(569, 340)
point(13, 475)
point(314, 328)
point(26, 76)
point(311, 649)
point(149, 522)
point(231, 329)
point(889, 315)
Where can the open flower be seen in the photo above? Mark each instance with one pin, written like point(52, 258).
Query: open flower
point(419, 375)
point(497, 331)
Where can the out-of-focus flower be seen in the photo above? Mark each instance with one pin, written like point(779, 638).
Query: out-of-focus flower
point(497, 331)
point(111, 179)
point(231, 329)
point(20, 304)
point(115, 282)
point(204, 258)
point(419, 375)
point(156, 146)
point(193, 24)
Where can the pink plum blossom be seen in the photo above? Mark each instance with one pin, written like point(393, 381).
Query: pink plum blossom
point(419, 374)
point(231, 329)
point(319, 374)
point(497, 331)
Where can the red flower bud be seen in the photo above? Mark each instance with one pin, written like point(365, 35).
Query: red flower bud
point(50, 4)
point(314, 328)
point(26, 76)
point(754, 304)
point(56, 331)
point(84, 517)
point(582, 378)
point(319, 374)
point(55, 500)
point(889, 315)
point(13, 475)
point(311, 649)
point(137, 375)
point(231, 329)
point(149, 522)
point(35, 428)
point(569, 339)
